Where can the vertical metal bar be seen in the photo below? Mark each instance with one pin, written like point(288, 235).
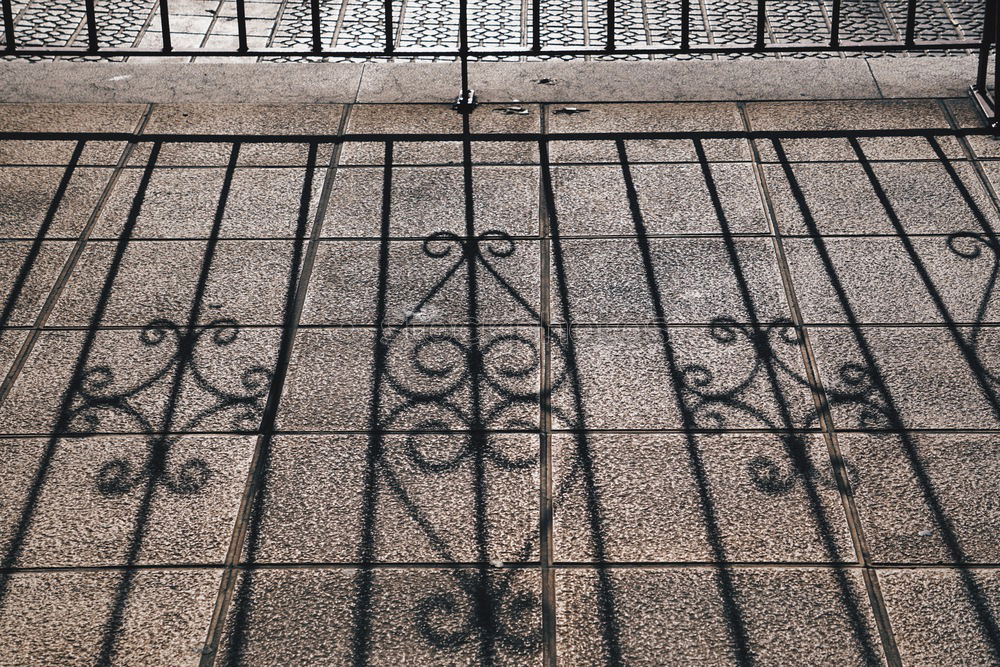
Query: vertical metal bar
point(611, 26)
point(996, 70)
point(984, 45)
point(390, 37)
point(91, 27)
point(317, 33)
point(165, 26)
point(465, 96)
point(241, 25)
point(536, 23)
point(685, 24)
point(761, 17)
point(911, 21)
point(8, 26)
point(835, 25)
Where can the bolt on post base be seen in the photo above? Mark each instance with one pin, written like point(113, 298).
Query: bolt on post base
point(466, 101)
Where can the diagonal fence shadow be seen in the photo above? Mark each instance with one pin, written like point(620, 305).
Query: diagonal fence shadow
point(477, 408)
point(867, 380)
point(94, 395)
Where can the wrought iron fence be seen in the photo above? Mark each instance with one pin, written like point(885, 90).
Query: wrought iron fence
point(534, 47)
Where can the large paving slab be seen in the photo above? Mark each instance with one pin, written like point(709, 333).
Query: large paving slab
point(68, 617)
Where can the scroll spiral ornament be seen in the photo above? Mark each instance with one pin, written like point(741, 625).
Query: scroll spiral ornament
point(99, 396)
point(428, 378)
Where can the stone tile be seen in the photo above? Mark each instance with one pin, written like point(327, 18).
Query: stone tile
point(933, 617)
point(70, 117)
point(425, 380)
point(842, 200)
point(65, 118)
point(10, 344)
point(27, 193)
point(650, 117)
point(268, 119)
point(427, 497)
point(430, 200)
point(882, 282)
point(343, 285)
point(186, 152)
point(56, 152)
point(440, 119)
point(695, 277)
point(420, 616)
point(683, 609)
point(930, 383)
point(62, 617)
point(182, 203)
point(260, 120)
point(625, 380)
point(26, 277)
point(851, 115)
point(896, 511)
point(329, 383)
point(651, 510)
point(90, 503)
point(673, 199)
point(129, 376)
point(966, 116)
point(247, 283)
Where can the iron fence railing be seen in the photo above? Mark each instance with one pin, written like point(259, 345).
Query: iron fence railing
point(533, 47)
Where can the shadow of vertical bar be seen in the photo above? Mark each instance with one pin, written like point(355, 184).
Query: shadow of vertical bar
point(10, 303)
point(987, 623)
point(240, 619)
point(364, 582)
point(731, 608)
point(584, 458)
point(20, 532)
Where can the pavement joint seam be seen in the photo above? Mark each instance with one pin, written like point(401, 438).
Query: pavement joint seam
point(825, 418)
point(257, 470)
point(70, 264)
point(546, 538)
point(515, 565)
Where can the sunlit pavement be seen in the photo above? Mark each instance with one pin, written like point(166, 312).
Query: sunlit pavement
point(575, 383)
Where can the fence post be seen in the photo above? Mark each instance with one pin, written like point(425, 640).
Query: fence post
point(980, 92)
point(466, 100)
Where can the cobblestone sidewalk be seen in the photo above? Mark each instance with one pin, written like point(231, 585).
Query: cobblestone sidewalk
point(212, 24)
point(508, 393)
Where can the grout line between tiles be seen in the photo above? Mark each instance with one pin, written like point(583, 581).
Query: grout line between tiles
point(508, 565)
point(555, 431)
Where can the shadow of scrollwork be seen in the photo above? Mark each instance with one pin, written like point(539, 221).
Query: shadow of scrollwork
point(448, 621)
point(717, 401)
point(99, 394)
point(470, 382)
point(972, 246)
point(100, 397)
